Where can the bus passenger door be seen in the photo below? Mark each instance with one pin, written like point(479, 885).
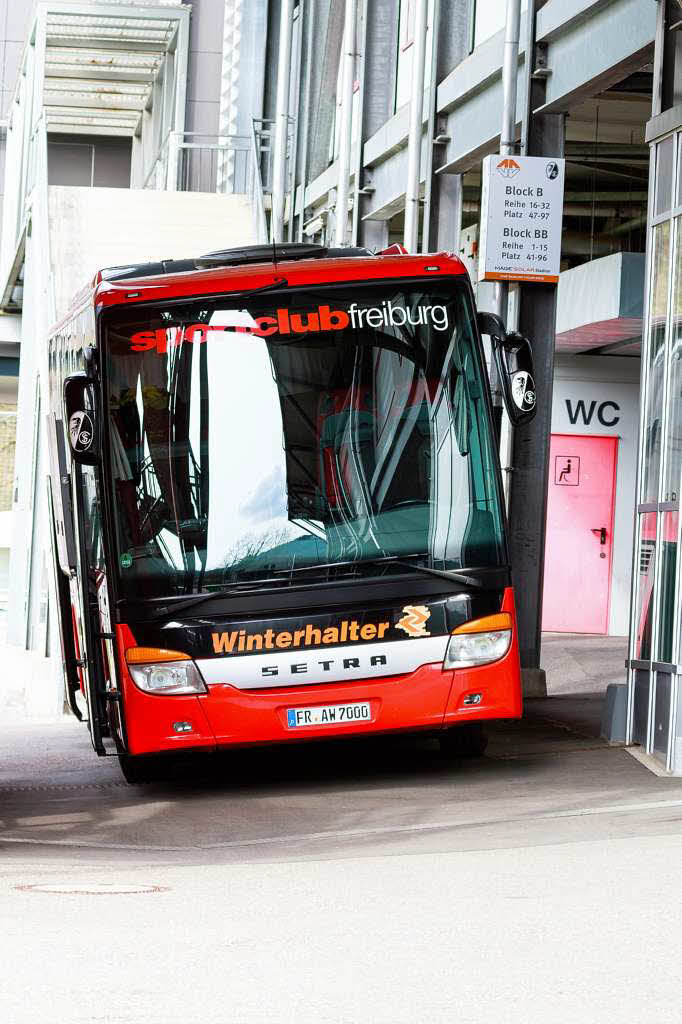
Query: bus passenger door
point(64, 559)
point(94, 626)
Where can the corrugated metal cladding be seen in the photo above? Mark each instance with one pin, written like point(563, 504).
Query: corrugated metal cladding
point(100, 68)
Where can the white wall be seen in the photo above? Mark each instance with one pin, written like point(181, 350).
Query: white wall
point(91, 228)
point(490, 18)
point(606, 379)
point(26, 494)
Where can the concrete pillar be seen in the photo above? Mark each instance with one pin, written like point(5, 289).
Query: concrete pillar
point(373, 234)
point(346, 121)
point(280, 142)
point(327, 38)
point(381, 43)
point(445, 208)
point(445, 220)
point(414, 145)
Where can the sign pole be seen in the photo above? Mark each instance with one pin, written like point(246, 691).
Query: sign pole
point(528, 497)
point(520, 241)
point(507, 146)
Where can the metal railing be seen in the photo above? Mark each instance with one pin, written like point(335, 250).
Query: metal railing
point(257, 191)
point(264, 132)
point(223, 164)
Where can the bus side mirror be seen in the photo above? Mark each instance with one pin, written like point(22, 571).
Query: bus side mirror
point(80, 404)
point(514, 360)
point(492, 325)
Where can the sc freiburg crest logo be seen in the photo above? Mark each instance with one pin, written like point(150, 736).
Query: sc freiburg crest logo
point(413, 622)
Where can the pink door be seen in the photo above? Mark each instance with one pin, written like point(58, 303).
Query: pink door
point(579, 544)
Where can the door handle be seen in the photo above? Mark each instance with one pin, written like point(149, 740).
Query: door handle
point(600, 531)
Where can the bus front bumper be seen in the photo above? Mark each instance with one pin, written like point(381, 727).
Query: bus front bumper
point(426, 699)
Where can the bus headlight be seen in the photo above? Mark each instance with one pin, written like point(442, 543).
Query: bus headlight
point(479, 642)
point(156, 670)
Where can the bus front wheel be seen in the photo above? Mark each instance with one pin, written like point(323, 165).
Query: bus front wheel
point(137, 770)
point(467, 740)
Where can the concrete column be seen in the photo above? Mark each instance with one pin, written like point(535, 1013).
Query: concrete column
point(670, 88)
point(381, 42)
point(327, 36)
point(414, 145)
point(445, 209)
point(173, 169)
point(374, 234)
point(346, 127)
point(279, 171)
point(445, 213)
point(241, 82)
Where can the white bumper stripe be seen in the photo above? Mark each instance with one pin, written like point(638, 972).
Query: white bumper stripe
point(312, 667)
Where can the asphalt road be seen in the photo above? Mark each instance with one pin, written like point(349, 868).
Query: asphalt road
point(373, 881)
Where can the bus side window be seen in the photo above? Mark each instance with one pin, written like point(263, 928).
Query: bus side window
point(60, 481)
point(92, 522)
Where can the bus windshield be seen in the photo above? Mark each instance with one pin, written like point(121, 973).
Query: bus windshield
point(274, 437)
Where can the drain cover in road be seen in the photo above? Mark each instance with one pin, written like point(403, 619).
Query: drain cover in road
point(92, 888)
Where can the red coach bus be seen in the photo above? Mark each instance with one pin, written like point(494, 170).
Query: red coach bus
point(276, 502)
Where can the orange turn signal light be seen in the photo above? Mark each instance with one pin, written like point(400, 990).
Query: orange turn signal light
point(148, 655)
point(488, 624)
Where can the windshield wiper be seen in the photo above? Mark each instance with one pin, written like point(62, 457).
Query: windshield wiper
point(454, 576)
point(444, 574)
point(279, 282)
point(190, 602)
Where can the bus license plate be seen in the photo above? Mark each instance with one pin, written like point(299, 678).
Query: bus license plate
point(332, 714)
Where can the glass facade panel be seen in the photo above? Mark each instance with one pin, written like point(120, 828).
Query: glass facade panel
point(641, 707)
point(668, 576)
point(660, 267)
point(662, 714)
point(664, 175)
point(656, 600)
point(677, 738)
point(645, 586)
point(673, 463)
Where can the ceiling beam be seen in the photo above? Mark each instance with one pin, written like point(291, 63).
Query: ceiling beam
point(91, 101)
point(61, 128)
point(87, 43)
point(95, 74)
point(95, 85)
point(74, 116)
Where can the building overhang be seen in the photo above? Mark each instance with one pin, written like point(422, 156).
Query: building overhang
point(101, 62)
point(96, 64)
point(600, 306)
point(94, 69)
